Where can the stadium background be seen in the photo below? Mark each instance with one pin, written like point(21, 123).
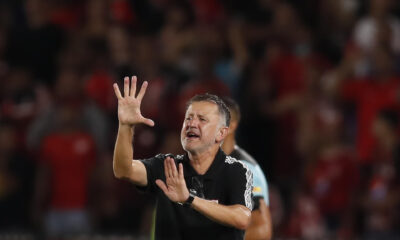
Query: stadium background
point(317, 80)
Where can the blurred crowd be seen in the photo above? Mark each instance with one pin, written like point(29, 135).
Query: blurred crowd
point(318, 82)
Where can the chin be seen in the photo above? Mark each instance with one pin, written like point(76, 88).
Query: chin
point(185, 145)
point(187, 148)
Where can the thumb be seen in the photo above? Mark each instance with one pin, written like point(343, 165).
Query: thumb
point(148, 121)
point(162, 185)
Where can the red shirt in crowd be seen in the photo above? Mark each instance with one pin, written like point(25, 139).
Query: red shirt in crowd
point(70, 158)
point(333, 180)
point(287, 82)
point(370, 97)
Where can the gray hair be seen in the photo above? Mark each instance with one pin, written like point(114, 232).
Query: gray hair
point(222, 108)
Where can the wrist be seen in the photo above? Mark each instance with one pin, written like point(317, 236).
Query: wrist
point(124, 126)
point(188, 202)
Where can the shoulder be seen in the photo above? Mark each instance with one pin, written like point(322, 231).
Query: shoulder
point(159, 156)
point(241, 154)
point(237, 170)
point(155, 160)
point(231, 161)
point(233, 165)
point(163, 156)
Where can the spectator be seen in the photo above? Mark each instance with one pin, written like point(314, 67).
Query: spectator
point(68, 90)
point(382, 179)
point(66, 160)
point(368, 30)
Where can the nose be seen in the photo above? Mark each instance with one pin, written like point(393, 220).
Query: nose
point(192, 122)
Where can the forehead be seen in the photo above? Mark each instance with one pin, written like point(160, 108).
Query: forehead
point(202, 108)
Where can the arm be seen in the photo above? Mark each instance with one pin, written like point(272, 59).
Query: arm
point(238, 44)
point(260, 224)
point(129, 116)
point(175, 189)
point(335, 81)
point(237, 215)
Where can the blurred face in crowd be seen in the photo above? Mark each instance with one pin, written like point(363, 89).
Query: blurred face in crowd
point(382, 62)
point(68, 85)
point(381, 129)
point(380, 7)
point(7, 139)
point(36, 12)
point(97, 10)
point(284, 16)
point(67, 118)
point(233, 123)
point(176, 16)
point(202, 128)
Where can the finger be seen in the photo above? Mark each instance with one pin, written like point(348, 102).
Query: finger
point(169, 168)
point(162, 185)
point(166, 168)
point(181, 175)
point(126, 86)
point(133, 86)
point(117, 92)
point(173, 168)
point(148, 122)
point(142, 91)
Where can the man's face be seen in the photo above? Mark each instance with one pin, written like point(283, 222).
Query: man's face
point(202, 127)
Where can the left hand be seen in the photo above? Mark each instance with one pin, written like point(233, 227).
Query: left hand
point(175, 188)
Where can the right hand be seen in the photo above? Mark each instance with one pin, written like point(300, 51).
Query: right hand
point(129, 105)
point(175, 186)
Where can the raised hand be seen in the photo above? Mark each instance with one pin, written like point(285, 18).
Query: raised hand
point(175, 188)
point(129, 104)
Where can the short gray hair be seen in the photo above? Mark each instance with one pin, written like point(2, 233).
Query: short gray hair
point(222, 108)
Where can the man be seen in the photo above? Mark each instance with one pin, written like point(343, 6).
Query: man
point(208, 196)
point(260, 225)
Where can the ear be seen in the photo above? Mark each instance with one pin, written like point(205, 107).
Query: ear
point(221, 134)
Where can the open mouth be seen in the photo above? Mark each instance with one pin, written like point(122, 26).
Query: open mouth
point(192, 135)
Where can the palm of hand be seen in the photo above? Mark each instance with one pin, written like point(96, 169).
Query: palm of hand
point(129, 111)
point(129, 105)
point(175, 186)
point(176, 190)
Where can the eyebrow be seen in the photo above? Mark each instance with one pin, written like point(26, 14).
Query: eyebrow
point(199, 115)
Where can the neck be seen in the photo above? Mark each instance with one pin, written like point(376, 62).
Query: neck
point(202, 161)
point(229, 144)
